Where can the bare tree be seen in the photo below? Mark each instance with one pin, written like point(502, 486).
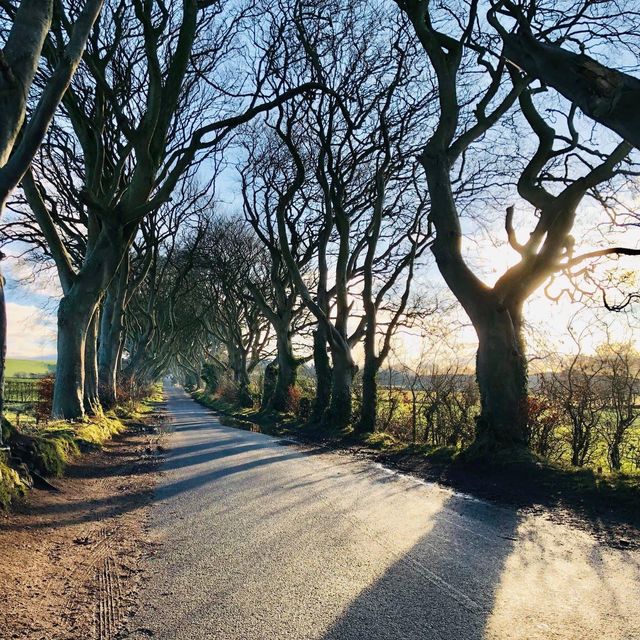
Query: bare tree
point(265, 177)
point(549, 182)
point(143, 122)
point(620, 386)
point(541, 49)
point(20, 136)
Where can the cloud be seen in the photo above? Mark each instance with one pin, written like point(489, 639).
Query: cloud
point(28, 280)
point(31, 331)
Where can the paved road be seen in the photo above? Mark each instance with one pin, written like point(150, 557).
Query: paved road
point(260, 540)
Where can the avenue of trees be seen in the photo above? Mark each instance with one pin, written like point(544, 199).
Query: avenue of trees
point(262, 197)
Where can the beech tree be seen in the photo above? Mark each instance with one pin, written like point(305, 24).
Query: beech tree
point(232, 270)
point(540, 46)
point(549, 183)
point(143, 121)
point(346, 187)
point(264, 180)
point(20, 136)
point(158, 285)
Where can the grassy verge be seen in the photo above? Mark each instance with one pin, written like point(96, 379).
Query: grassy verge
point(11, 485)
point(516, 477)
point(46, 450)
point(283, 424)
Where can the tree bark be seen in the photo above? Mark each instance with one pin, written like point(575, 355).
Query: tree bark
point(369, 409)
point(323, 374)
point(111, 328)
point(3, 350)
point(74, 315)
point(501, 370)
point(287, 371)
point(338, 415)
point(91, 391)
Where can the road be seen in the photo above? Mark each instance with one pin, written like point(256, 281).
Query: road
point(262, 540)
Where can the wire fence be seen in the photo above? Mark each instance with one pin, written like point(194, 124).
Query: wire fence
point(32, 396)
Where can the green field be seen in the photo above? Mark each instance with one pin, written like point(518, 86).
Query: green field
point(17, 367)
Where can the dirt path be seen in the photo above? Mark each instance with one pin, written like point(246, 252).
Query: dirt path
point(70, 562)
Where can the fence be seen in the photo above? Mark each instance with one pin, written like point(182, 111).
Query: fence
point(21, 390)
point(34, 395)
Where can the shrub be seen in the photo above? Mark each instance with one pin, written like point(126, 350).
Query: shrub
point(44, 405)
point(228, 391)
point(294, 395)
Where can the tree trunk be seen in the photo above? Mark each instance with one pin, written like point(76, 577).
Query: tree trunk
point(111, 328)
point(287, 372)
point(501, 370)
point(269, 384)
point(615, 459)
point(323, 374)
point(244, 396)
point(338, 416)
point(91, 391)
point(3, 351)
point(108, 353)
point(368, 415)
point(74, 315)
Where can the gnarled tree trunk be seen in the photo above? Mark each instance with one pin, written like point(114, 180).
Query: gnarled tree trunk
point(501, 371)
point(287, 371)
point(74, 315)
point(338, 415)
point(368, 411)
point(75, 312)
point(3, 351)
point(111, 330)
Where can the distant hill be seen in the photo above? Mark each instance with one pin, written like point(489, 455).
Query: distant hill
point(17, 367)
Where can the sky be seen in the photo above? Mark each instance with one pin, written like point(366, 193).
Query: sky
point(32, 301)
point(32, 297)
point(31, 311)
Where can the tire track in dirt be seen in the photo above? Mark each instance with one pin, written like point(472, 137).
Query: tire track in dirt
point(87, 573)
point(109, 612)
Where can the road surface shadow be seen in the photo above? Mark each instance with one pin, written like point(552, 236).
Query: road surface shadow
point(443, 588)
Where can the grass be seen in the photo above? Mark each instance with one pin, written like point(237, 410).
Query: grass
point(11, 485)
point(49, 448)
point(517, 477)
point(250, 419)
point(15, 367)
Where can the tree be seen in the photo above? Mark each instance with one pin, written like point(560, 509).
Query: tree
point(349, 190)
point(608, 96)
point(264, 179)
point(549, 182)
point(620, 386)
point(232, 270)
point(144, 122)
point(20, 137)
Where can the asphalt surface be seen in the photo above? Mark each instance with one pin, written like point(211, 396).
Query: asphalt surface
point(259, 539)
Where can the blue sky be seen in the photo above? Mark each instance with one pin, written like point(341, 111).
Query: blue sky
point(31, 309)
